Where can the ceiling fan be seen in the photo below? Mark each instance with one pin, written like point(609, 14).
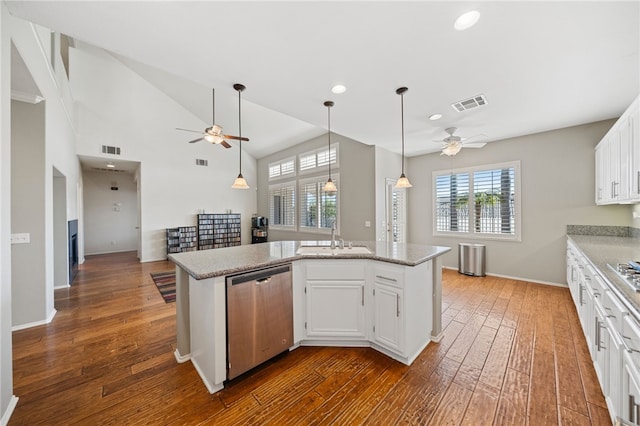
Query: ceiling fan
point(452, 144)
point(214, 133)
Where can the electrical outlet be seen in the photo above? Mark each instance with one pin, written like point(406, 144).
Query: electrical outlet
point(24, 238)
point(367, 224)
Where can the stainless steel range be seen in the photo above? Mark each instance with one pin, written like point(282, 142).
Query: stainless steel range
point(629, 272)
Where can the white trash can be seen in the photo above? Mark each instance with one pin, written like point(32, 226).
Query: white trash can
point(471, 259)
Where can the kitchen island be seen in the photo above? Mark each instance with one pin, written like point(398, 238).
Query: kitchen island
point(387, 296)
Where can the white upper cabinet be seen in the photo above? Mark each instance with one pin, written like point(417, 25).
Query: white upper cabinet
point(618, 160)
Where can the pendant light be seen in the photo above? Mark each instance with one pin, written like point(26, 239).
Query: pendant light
point(329, 187)
point(213, 134)
point(240, 182)
point(402, 182)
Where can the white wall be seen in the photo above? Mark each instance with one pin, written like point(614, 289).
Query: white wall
point(59, 153)
point(7, 399)
point(355, 194)
point(115, 106)
point(28, 284)
point(110, 216)
point(557, 189)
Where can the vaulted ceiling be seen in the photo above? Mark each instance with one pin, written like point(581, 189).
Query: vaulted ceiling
point(540, 65)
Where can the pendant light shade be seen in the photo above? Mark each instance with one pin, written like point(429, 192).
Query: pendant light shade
point(240, 182)
point(403, 181)
point(329, 187)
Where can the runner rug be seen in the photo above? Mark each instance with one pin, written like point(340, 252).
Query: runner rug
point(166, 283)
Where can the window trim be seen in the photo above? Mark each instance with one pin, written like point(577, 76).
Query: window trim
point(280, 163)
point(318, 179)
point(315, 152)
point(277, 186)
point(516, 237)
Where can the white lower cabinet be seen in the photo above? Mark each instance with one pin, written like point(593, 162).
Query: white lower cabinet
point(335, 309)
point(612, 335)
point(388, 316)
point(365, 303)
point(335, 293)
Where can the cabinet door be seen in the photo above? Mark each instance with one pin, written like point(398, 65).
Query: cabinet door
point(634, 142)
point(389, 316)
point(602, 175)
point(624, 160)
point(335, 309)
point(630, 391)
point(601, 345)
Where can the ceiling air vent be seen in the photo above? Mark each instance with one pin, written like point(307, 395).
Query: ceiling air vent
point(466, 104)
point(103, 169)
point(115, 150)
point(201, 162)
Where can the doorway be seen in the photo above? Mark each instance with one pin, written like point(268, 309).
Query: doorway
point(61, 278)
point(396, 212)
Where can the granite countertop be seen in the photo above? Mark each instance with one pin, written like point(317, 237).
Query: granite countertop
point(603, 250)
point(203, 264)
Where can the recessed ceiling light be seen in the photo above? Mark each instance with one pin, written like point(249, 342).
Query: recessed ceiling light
point(467, 20)
point(434, 117)
point(111, 165)
point(338, 88)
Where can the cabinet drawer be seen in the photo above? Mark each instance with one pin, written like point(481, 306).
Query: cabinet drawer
point(613, 308)
point(389, 275)
point(335, 270)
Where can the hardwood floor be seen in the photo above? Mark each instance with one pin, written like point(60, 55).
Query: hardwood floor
point(512, 353)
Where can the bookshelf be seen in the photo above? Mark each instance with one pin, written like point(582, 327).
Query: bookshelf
point(217, 230)
point(182, 238)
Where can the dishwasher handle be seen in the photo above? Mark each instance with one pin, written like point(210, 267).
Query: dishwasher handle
point(262, 276)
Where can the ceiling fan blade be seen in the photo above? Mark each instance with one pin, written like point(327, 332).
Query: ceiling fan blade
point(474, 145)
point(188, 130)
point(236, 138)
point(225, 144)
point(196, 140)
point(478, 136)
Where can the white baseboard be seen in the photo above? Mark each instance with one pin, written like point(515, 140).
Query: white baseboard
point(35, 323)
point(181, 358)
point(509, 277)
point(58, 287)
point(211, 387)
point(4, 421)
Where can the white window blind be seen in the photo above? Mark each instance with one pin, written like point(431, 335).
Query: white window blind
point(320, 158)
point(284, 168)
point(318, 209)
point(398, 215)
point(481, 201)
point(282, 206)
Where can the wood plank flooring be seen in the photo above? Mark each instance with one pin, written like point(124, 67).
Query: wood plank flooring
point(513, 353)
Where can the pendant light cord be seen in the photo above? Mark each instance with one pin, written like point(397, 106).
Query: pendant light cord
point(402, 125)
point(213, 108)
point(240, 126)
point(329, 137)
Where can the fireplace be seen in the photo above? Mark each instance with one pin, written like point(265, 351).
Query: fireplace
point(73, 249)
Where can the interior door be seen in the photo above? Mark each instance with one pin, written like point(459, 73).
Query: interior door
point(396, 216)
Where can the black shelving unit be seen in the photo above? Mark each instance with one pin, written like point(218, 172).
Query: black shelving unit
point(182, 238)
point(216, 230)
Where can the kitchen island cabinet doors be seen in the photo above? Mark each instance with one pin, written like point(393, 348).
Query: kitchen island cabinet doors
point(335, 292)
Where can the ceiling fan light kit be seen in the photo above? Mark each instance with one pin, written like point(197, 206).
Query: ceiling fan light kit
point(240, 182)
point(403, 181)
point(329, 187)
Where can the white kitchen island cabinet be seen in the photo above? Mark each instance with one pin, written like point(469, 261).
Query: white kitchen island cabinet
point(388, 299)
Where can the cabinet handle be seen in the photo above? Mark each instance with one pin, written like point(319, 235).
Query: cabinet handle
point(597, 330)
point(638, 181)
point(627, 347)
point(362, 295)
point(397, 305)
point(386, 278)
point(581, 292)
point(609, 311)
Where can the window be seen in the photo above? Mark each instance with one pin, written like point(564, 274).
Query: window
point(283, 168)
point(481, 201)
point(318, 159)
point(318, 209)
point(282, 206)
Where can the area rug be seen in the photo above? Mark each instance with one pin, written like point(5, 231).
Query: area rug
point(166, 283)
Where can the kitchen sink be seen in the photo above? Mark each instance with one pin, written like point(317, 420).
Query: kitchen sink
point(328, 251)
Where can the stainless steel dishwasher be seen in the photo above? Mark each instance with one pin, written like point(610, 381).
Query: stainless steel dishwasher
point(259, 317)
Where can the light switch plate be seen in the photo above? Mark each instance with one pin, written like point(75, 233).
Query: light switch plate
point(23, 238)
point(367, 224)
